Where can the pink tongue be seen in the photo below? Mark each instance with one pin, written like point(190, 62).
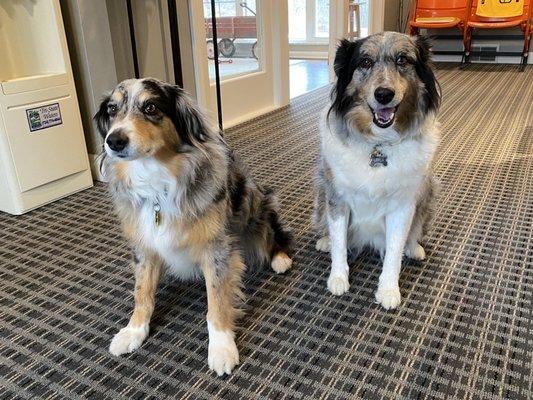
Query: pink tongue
point(385, 114)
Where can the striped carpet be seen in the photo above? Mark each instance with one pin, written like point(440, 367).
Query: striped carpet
point(463, 331)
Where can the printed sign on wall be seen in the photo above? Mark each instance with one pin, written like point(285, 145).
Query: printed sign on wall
point(44, 117)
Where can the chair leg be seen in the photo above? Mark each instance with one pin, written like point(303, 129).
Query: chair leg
point(467, 43)
point(525, 52)
point(462, 63)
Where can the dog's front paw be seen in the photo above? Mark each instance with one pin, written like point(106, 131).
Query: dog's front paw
point(338, 284)
point(222, 353)
point(415, 252)
point(223, 357)
point(281, 262)
point(389, 298)
point(128, 339)
point(323, 244)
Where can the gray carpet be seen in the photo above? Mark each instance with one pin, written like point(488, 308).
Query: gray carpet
point(463, 331)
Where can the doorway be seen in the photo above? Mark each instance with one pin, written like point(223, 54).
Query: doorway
point(250, 47)
point(269, 51)
point(314, 26)
point(308, 45)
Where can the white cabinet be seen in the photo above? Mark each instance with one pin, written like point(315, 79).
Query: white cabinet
point(42, 149)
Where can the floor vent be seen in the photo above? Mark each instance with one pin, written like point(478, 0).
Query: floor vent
point(488, 53)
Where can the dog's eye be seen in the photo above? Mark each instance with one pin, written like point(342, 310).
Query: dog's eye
point(150, 109)
point(401, 60)
point(366, 63)
point(112, 109)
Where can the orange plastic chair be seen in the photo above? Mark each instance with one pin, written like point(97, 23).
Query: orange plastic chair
point(436, 14)
point(476, 21)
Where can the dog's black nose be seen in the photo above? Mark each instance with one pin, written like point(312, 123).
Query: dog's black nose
point(384, 95)
point(117, 141)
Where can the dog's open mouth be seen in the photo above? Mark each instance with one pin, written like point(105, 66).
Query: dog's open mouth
point(384, 117)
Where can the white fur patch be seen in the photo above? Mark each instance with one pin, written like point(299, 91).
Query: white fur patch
point(389, 298)
point(323, 244)
point(338, 283)
point(415, 252)
point(128, 339)
point(152, 184)
point(281, 263)
point(223, 355)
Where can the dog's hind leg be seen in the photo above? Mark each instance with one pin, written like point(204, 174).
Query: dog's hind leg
point(413, 248)
point(223, 273)
point(147, 274)
point(422, 220)
point(320, 218)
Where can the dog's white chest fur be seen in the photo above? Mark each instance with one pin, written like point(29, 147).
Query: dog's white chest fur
point(373, 192)
point(154, 190)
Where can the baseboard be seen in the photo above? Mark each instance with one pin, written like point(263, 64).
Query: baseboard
point(94, 161)
point(500, 59)
point(309, 55)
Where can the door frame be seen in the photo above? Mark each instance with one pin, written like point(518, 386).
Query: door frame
point(274, 62)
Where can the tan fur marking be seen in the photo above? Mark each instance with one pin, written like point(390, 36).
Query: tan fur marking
point(281, 262)
point(117, 96)
point(223, 291)
point(146, 280)
point(407, 111)
point(203, 230)
point(149, 137)
point(361, 119)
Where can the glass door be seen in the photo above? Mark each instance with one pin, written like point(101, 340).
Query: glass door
point(249, 49)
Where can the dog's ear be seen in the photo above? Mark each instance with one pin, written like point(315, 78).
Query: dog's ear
point(425, 73)
point(102, 117)
point(187, 118)
point(346, 59)
point(343, 56)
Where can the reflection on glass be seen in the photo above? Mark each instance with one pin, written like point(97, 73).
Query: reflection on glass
point(358, 21)
point(239, 49)
point(297, 19)
point(322, 18)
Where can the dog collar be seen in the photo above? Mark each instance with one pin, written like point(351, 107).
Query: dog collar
point(377, 157)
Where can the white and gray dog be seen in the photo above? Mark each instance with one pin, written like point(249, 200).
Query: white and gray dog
point(378, 139)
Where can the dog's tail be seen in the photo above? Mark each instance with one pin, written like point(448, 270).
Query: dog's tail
point(265, 237)
point(282, 237)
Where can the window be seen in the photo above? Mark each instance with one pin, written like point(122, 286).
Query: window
point(297, 20)
point(230, 8)
point(322, 18)
point(308, 21)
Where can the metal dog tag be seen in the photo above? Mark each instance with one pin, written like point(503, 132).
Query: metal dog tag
point(157, 214)
point(377, 158)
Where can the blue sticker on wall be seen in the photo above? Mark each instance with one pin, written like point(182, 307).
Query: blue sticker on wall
point(44, 117)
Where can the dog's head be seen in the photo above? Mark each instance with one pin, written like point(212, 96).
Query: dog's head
point(144, 117)
point(384, 80)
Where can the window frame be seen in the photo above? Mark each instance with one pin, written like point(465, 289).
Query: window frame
point(311, 26)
